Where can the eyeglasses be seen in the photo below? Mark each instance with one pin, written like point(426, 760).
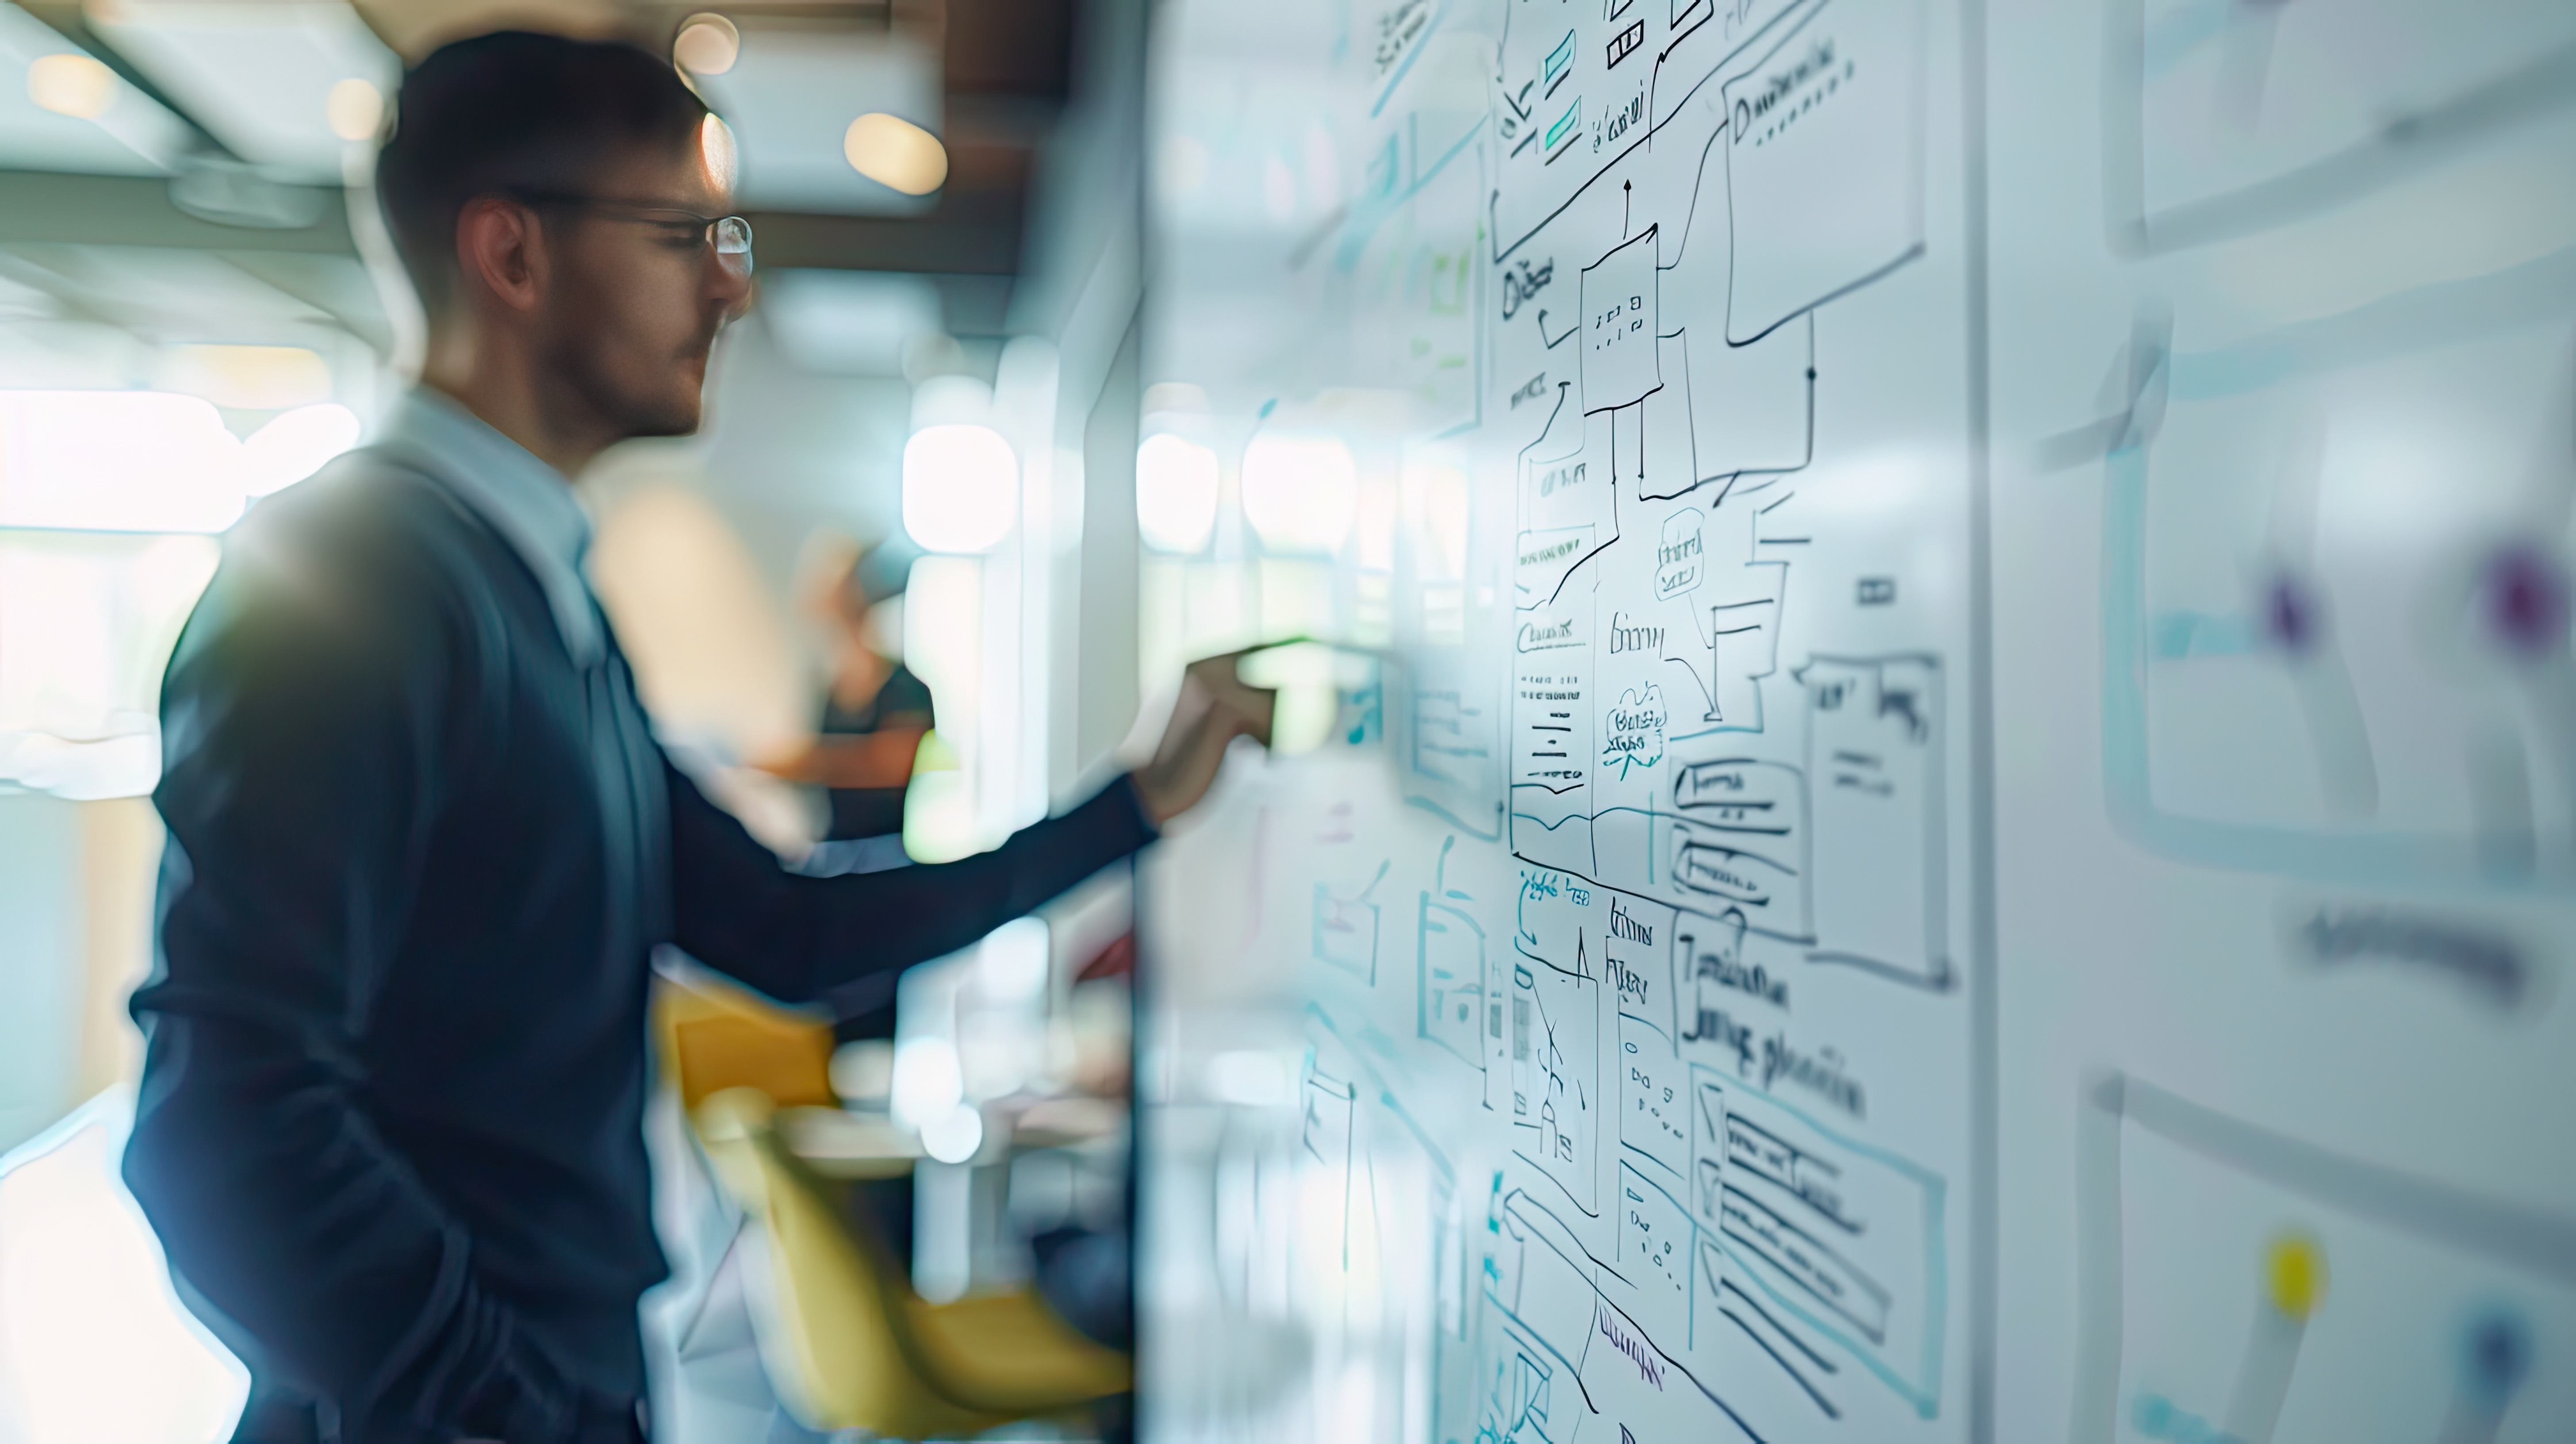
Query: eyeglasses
point(730, 236)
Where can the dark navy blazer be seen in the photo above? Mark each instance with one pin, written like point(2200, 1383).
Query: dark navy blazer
point(389, 1127)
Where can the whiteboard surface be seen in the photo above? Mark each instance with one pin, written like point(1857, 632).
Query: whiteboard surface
point(1963, 820)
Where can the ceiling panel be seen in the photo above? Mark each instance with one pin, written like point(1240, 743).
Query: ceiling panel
point(257, 76)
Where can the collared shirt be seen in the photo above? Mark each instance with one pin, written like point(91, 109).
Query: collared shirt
point(528, 502)
point(531, 506)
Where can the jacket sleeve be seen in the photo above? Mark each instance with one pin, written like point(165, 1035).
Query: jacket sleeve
point(796, 938)
point(302, 724)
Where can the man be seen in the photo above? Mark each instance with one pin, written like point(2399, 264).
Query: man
point(421, 838)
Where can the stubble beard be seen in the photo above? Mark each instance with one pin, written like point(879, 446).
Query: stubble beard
point(675, 408)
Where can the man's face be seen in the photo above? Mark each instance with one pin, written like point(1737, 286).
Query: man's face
point(635, 297)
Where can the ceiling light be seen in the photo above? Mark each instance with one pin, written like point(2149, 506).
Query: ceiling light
point(961, 486)
point(355, 108)
point(285, 86)
point(73, 85)
point(896, 153)
point(249, 378)
point(1176, 491)
point(1301, 493)
point(708, 45)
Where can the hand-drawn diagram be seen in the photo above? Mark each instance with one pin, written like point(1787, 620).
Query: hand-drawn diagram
point(1655, 1255)
point(1555, 1035)
point(1453, 740)
point(1824, 159)
point(1873, 740)
point(1345, 927)
point(1665, 811)
point(1748, 407)
point(1457, 1006)
point(1741, 841)
point(1697, 816)
point(1553, 751)
point(1654, 1099)
point(1831, 1234)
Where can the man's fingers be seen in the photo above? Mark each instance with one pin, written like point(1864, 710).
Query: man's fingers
point(1224, 682)
point(1214, 707)
point(1250, 710)
point(1193, 753)
point(1227, 721)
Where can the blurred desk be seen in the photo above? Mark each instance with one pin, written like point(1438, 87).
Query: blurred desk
point(847, 1144)
point(840, 1143)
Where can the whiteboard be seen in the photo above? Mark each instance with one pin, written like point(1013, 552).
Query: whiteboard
point(1960, 821)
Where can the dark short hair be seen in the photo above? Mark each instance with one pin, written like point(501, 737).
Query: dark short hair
point(517, 111)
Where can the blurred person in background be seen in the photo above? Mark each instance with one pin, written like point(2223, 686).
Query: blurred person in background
point(422, 842)
point(875, 713)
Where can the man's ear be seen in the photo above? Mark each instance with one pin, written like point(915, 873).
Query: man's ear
point(501, 250)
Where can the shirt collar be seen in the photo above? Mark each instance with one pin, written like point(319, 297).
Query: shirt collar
point(528, 502)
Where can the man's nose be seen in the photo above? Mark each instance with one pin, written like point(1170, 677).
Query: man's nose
point(730, 284)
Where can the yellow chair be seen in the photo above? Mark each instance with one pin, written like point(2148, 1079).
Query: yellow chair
point(715, 1037)
point(853, 1346)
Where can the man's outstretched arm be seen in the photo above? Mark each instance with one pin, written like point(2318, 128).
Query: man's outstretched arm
point(796, 938)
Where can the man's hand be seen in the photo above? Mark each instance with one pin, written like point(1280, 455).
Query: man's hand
point(1215, 707)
